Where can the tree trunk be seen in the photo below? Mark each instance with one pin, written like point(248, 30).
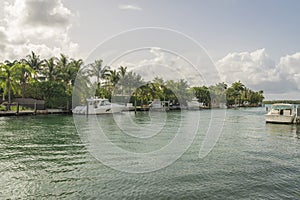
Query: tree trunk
point(22, 102)
point(9, 91)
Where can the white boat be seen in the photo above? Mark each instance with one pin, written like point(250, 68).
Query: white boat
point(97, 106)
point(157, 105)
point(194, 104)
point(281, 113)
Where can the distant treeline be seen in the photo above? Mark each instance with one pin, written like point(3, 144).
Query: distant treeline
point(53, 79)
point(282, 101)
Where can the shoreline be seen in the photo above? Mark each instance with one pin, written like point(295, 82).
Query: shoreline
point(69, 112)
point(32, 112)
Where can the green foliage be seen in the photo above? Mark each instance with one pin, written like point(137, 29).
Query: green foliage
point(50, 80)
point(54, 94)
point(53, 79)
point(203, 95)
point(239, 95)
point(2, 108)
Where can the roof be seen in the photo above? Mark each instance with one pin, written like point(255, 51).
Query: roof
point(282, 106)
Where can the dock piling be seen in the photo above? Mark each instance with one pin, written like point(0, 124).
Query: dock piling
point(35, 107)
point(18, 108)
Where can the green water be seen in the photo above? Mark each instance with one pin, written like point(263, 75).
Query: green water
point(44, 157)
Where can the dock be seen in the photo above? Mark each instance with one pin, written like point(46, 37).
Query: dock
point(32, 112)
point(15, 113)
point(297, 117)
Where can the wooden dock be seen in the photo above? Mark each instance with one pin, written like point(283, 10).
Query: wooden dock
point(15, 113)
point(297, 117)
point(32, 112)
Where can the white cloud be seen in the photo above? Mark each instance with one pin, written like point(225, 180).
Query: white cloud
point(156, 62)
point(130, 7)
point(251, 67)
point(34, 25)
point(289, 67)
point(258, 71)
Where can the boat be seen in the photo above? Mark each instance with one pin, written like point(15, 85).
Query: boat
point(281, 113)
point(194, 104)
point(97, 106)
point(157, 105)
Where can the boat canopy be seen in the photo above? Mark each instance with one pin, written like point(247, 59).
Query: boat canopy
point(282, 107)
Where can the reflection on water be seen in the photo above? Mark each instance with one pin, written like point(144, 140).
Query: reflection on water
point(298, 131)
point(283, 130)
point(43, 157)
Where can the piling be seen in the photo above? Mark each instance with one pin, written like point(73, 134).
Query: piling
point(35, 107)
point(18, 108)
point(297, 118)
point(135, 103)
point(87, 108)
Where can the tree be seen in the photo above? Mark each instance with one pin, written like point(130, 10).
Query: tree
point(122, 72)
point(71, 71)
point(33, 61)
point(98, 71)
point(238, 88)
point(7, 78)
point(114, 77)
point(22, 74)
point(50, 70)
point(62, 65)
point(203, 94)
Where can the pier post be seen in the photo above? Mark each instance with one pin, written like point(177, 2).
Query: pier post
point(87, 108)
point(18, 108)
point(135, 95)
point(35, 107)
point(135, 104)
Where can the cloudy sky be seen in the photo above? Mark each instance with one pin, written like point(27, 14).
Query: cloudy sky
point(254, 41)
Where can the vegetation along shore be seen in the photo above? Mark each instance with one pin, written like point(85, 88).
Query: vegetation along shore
point(51, 82)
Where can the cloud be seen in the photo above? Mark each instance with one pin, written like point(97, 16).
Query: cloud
point(55, 13)
point(258, 71)
point(289, 67)
point(130, 7)
point(34, 25)
point(251, 67)
point(156, 62)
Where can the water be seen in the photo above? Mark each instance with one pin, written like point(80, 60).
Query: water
point(44, 157)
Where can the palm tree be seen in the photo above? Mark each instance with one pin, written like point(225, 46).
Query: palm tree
point(34, 61)
point(157, 86)
point(122, 72)
point(22, 74)
point(50, 69)
point(62, 65)
point(97, 70)
point(72, 70)
point(6, 76)
point(238, 88)
point(114, 77)
point(203, 94)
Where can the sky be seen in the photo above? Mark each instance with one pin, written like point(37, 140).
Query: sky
point(255, 41)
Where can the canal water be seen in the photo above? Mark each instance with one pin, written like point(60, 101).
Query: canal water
point(54, 156)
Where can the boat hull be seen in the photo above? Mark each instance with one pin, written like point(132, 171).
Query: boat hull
point(280, 119)
point(98, 111)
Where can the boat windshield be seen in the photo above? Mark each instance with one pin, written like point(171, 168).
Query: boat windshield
point(104, 103)
point(282, 107)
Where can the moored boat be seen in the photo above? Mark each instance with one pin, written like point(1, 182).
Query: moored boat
point(97, 106)
point(281, 113)
point(157, 105)
point(194, 104)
